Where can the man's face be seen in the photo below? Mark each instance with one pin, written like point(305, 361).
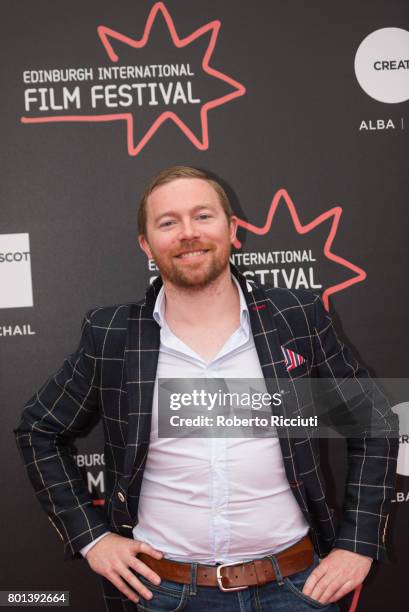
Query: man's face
point(187, 232)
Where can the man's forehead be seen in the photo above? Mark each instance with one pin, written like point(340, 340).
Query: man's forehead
point(182, 193)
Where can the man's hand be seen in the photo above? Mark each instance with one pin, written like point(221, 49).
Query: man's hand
point(336, 575)
point(114, 555)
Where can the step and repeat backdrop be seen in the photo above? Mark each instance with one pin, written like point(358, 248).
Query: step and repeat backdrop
point(301, 108)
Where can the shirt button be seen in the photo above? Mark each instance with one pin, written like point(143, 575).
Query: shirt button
point(121, 496)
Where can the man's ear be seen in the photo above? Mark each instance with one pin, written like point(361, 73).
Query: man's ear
point(233, 228)
point(143, 243)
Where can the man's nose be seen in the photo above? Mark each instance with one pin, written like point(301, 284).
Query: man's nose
point(188, 230)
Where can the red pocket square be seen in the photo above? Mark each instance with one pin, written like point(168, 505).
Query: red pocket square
point(292, 359)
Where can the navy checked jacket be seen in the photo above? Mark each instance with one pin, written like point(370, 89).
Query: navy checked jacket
point(111, 377)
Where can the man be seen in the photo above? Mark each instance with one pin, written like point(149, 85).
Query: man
point(178, 510)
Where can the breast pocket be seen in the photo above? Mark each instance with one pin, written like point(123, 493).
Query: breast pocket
point(299, 371)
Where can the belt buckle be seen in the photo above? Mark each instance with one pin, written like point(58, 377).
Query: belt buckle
point(219, 578)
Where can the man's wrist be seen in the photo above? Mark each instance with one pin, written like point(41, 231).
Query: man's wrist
point(88, 547)
point(354, 553)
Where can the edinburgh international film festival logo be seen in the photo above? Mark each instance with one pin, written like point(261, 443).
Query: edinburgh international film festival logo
point(146, 80)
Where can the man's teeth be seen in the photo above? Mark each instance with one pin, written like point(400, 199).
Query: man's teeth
point(192, 254)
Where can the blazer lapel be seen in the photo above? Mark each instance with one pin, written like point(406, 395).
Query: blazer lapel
point(264, 330)
point(141, 357)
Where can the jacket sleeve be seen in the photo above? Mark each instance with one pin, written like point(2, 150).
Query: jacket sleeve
point(64, 408)
point(371, 469)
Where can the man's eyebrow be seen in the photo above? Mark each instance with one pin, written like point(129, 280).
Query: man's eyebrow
point(170, 213)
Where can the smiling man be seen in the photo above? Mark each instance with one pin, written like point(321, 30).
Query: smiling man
point(201, 255)
point(204, 523)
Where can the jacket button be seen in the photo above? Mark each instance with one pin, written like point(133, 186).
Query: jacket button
point(121, 496)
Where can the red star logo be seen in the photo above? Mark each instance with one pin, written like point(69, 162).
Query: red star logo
point(135, 145)
point(334, 215)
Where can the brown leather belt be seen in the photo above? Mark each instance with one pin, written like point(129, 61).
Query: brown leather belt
point(236, 576)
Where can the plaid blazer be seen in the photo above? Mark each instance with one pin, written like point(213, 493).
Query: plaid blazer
point(111, 377)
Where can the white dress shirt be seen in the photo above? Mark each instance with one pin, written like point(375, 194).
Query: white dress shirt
point(214, 500)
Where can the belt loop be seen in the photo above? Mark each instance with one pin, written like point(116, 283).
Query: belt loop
point(193, 580)
point(277, 570)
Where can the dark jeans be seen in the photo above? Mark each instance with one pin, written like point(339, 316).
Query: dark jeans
point(281, 595)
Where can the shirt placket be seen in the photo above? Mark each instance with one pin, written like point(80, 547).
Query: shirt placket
point(219, 492)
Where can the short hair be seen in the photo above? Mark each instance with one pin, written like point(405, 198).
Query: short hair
point(179, 172)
